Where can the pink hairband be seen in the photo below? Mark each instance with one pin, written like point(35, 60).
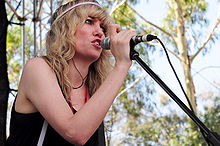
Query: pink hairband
point(70, 8)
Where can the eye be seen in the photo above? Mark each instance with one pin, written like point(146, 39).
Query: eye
point(88, 21)
point(103, 29)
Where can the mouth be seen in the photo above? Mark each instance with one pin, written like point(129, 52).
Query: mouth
point(96, 43)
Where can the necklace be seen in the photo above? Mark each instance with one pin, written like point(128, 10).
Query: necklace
point(86, 98)
point(83, 79)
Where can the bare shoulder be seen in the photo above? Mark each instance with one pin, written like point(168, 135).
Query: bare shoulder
point(36, 68)
point(34, 72)
point(36, 63)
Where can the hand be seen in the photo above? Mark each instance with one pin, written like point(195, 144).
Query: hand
point(120, 44)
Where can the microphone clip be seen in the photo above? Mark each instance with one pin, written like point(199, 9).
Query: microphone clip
point(133, 53)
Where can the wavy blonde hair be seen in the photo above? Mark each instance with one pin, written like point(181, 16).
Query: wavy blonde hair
point(60, 45)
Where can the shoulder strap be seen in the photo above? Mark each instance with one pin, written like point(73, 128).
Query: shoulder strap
point(42, 134)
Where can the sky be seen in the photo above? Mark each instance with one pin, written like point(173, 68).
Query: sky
point(207, 80)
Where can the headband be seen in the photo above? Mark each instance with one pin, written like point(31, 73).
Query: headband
point(79, 4)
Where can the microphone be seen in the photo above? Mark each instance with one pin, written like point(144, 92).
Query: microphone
point(105, 43)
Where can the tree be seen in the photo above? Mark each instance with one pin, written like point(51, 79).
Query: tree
point(171, 129)
point(183, 31)
point(4, 83)
point(183, 19)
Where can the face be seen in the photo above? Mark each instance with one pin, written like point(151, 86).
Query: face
point(88, 37)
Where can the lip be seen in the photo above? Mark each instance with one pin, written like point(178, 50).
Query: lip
point(95, 45)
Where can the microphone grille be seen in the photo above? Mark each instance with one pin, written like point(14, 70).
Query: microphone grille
point(105, 43)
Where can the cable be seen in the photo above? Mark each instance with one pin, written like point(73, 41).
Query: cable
point(174, 73)
point(168, 58)
point(184, 62)
point(203, 133)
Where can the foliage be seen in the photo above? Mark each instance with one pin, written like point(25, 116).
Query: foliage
point(130, 104)
point(194, 16)
point(13, 47)
point(14, 53)
point(172, 129)
point(157, 129)
point(212, 115)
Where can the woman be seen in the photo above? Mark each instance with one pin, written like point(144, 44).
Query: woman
point(72, 87)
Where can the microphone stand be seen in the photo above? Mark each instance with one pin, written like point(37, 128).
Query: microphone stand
point(211, 137)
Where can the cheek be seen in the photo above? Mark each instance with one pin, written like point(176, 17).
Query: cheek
point(83, 35)
point(81, 38)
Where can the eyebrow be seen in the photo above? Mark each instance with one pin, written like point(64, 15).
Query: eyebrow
point(94, 18)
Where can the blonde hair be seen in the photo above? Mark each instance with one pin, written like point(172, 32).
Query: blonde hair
point(60, 45)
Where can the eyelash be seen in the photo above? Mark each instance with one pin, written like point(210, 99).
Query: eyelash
point(89, 21)
point(103, 29)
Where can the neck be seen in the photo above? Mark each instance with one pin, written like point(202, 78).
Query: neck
point(74, 75)
point(82, 66)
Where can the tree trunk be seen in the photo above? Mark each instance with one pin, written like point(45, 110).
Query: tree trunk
point(184, 56)
point(4, 83)
point(190, 91)
point(186, 62)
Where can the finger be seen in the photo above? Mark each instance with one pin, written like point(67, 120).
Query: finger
point(127, 34)
point(114, 29)
point(118, 29)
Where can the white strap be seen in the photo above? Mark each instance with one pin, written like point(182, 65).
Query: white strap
point(42, 134)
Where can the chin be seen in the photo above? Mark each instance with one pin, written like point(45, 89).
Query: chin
point(94, 58)
point(91, 55)
point(95, 55)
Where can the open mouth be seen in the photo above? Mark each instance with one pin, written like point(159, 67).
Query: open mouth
point(96, 43)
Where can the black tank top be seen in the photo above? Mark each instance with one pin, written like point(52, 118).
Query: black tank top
point(25, 131)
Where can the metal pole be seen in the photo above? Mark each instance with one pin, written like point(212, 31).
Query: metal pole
point(40, 29)
point(23, 35)
point(51, 8)
point(35, 33)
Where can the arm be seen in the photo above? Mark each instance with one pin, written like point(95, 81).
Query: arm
point(44, 93)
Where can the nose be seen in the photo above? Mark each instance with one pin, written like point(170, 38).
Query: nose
point(98, 31)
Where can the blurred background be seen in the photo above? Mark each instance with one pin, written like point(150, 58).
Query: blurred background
point(142, 114)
